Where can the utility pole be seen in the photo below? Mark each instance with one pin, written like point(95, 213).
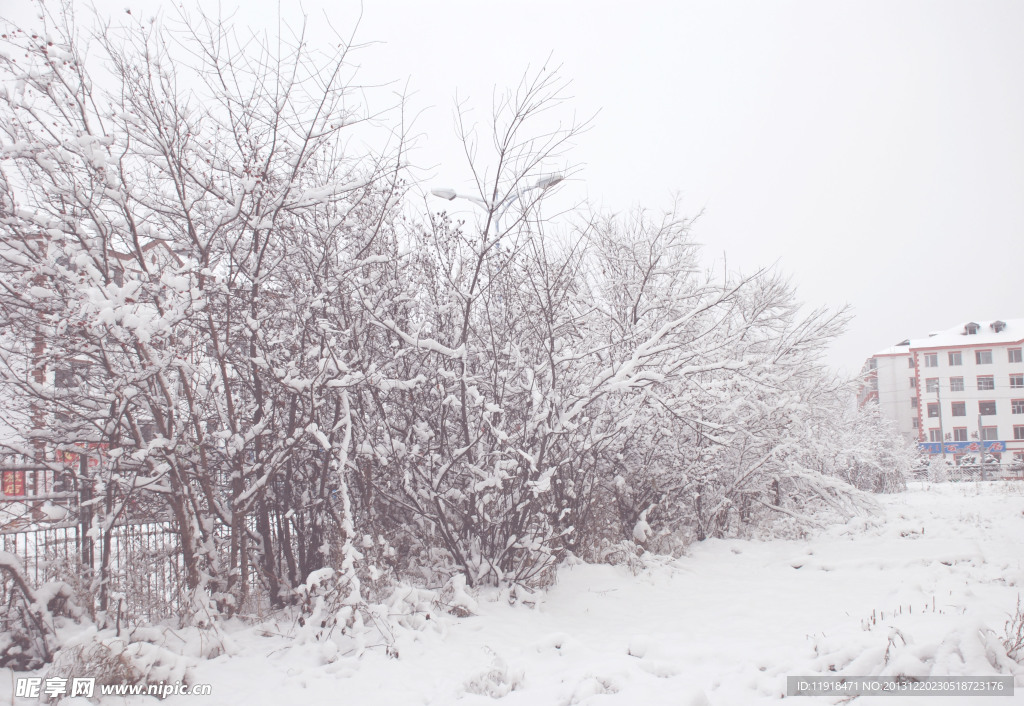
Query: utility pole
point(942, 428)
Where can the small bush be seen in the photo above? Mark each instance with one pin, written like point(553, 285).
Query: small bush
point(122, 659)
point(498, 681)
point(1013, 640)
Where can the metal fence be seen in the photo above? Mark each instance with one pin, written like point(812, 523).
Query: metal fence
point(144, 576)
point(973, 472)
point(135, 568)
point(43, 525)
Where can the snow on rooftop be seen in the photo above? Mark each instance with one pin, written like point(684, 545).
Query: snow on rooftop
point(996, 331)
point(898, 349)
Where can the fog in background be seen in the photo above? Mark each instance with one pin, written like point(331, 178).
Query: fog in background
point(874, 151)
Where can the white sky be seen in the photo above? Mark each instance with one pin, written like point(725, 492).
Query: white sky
point(873, 150)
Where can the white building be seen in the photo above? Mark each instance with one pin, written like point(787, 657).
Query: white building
point(954, 388)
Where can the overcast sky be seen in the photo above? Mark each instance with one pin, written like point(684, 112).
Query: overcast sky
point(872, 150)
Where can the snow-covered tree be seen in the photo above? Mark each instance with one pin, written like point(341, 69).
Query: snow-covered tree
point(180, 232)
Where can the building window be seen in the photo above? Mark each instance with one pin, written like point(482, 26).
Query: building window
point(1017, 406)
point(959, 409)
point(956, 384)
point(1018, 431)
point(960, 434)
point(983, 357)
point(910, 362)
point(931, 360)
point(1015, 355)
point(1018, 457)
point(913, 403)
point(913, 382)
point(986, 382)
point(989, 433)
point(934, 435)
point(956, 358)
point(913, 422)
point(933, 409)
point(987, 407)
point(931, 385)
point(1017, 380)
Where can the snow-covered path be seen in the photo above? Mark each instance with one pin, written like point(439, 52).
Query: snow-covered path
point(932, 583)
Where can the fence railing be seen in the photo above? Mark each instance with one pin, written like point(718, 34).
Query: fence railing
point(135, 567)
point(141, 578)
point(975, 472)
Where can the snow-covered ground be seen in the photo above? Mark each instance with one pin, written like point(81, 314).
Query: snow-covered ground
point(925, 589)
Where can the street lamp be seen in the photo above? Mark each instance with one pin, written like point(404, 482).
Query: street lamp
point(499, 208)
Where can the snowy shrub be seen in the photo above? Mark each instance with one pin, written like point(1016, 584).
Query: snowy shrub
point(622, 553)
point(327, 602)
point(333, 615)
point(454, 598)
point(1013, 637)
point(497, 681)
point(148, 657)
point(411, 607)
point(593, 685)
point(333, 612)
point(939, 470)
point(32, 621)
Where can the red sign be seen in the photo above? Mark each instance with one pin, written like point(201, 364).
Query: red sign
point(14, 483)
point(71, 457)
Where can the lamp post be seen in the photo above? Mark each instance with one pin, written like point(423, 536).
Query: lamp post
point(499, 207)
point(981, 446)
point(942, 428)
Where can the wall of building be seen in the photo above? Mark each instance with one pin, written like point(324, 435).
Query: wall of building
point(931, 389)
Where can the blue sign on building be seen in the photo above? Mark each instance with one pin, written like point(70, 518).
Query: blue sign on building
point(961, 447)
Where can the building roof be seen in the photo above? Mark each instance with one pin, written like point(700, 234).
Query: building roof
point(898, 349)
point(995, 332)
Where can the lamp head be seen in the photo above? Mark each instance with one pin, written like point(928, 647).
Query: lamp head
point(549, 181)
point(447, 194)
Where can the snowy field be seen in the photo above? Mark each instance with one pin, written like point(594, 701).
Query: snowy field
point(925, 588)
